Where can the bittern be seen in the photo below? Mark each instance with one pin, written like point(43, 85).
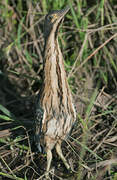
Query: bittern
point(55, 113)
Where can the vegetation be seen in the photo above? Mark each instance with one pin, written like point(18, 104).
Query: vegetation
point(88, 40)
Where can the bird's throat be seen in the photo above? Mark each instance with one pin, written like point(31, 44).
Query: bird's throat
point(55, 81)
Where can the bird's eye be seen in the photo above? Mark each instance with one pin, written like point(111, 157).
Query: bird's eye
point(50, 18)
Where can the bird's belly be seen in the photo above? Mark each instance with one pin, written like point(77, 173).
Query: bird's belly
point(58, 128)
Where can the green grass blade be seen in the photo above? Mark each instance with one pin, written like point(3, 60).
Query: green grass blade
point(5, 111)
point(86, 148)
point(74, 14)
point(19, 34)
point(28, 57)
point(10, 176)
point(6, 118)
point(91, 104)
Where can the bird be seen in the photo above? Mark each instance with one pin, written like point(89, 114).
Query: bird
point(55, 113)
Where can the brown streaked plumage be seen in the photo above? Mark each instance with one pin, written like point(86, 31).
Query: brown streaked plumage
point(55, 114)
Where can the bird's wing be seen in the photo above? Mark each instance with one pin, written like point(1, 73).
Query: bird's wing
point(38, 123)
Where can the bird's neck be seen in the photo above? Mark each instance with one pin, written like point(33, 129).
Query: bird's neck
point(55, 92)
point(54, 73)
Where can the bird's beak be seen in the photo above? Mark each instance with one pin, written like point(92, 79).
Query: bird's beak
point(61, 13)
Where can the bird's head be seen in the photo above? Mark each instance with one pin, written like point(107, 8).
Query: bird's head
point(53, 21)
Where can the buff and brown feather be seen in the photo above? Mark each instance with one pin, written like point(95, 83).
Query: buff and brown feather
point(55, 113)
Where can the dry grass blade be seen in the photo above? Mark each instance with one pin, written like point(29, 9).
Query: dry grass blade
point(88, 41)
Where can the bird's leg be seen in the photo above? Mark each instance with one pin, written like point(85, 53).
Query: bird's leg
point(49, 159)
point(59, 152)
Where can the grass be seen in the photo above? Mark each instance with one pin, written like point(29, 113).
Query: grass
point(88, 39)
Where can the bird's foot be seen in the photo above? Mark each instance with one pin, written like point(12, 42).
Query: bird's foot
point(47, 177)
point(50, 172)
